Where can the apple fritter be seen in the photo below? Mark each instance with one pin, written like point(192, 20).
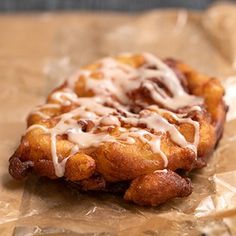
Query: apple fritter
point(129, 124)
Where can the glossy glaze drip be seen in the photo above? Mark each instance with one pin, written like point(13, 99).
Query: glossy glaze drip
point(110, 108)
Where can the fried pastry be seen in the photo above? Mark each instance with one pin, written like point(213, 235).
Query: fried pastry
point(132, 124)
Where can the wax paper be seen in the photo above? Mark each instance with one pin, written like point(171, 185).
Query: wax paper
point(38, 51)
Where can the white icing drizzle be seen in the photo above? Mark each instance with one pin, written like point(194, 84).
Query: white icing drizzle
point(110, 120)
point(41, 114)
point(38, 110)
point(46, 130)
point(110, 108)
point(161, 171)
point(58, 166)
point(180, 118)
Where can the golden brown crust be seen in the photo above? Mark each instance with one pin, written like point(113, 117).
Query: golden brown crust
point(79, 166)
point(19, 169)
point(157, 188)
point(211, 90)
point(118, 162)
point(135, 163)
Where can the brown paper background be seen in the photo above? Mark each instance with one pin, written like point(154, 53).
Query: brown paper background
point(38, 51)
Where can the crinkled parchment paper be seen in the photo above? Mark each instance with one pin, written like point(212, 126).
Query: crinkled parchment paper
point(38, 51)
